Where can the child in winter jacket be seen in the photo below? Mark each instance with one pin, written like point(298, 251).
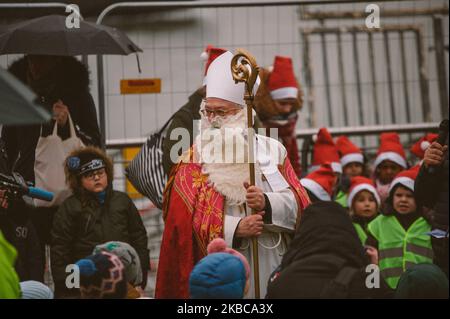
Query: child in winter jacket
point(93, 215)
point(401, 233)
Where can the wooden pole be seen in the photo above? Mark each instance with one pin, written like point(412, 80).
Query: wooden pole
point(245, 69)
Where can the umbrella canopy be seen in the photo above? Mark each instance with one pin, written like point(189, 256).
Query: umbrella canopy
point(49, 35)
point(17, 104)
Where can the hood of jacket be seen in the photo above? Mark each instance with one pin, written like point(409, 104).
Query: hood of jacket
point(326, 228)
point(69, 77)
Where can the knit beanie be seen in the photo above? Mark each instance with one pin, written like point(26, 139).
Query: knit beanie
point(102, 276)
point(422, 281)
point(128, 256)
point(220, 275)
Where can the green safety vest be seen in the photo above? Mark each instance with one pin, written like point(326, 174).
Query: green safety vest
point(341, 198)
point(398, 249)
point(9, 281)
point(361, 233)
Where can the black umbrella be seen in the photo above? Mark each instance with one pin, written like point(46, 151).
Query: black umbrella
point(17, 102)
point(49, 35)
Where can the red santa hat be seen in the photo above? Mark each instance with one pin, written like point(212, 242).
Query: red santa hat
point(320, 182)
point(421, 145)
point(349, 152)
point(361, 183)
point(390, 149)
point(282, 83)
point(325, 151)
point(406, 178)
point(209, 55)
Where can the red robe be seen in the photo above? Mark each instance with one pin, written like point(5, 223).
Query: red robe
point(194, 215)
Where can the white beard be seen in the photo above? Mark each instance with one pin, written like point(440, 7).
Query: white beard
point(226, 177)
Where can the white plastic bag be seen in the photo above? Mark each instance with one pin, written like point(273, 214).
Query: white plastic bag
point(51, 152)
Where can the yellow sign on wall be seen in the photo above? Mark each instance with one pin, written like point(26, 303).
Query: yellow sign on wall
point(140, 86)
point(128, 154)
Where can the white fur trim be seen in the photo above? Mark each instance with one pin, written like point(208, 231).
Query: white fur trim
point(362, 187)
point(424, 145)
point(335, 166)
point(313, 168)
point(284, 93)
point(391, 156)
point(403, 180)
point(314, 138)
point(352, 158)
point(315, 188)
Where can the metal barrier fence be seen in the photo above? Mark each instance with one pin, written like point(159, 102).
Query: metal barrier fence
point(350, 75)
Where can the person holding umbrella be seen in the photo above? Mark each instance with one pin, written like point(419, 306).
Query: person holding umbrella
point(61, 82)
point(62, 85)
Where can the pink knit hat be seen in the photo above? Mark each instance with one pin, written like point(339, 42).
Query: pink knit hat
point(219, 245)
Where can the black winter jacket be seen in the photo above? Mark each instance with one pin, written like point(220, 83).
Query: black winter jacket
point(80, 225)
point(20, 232)
point(431, 190)
point(16, 226)
point(68, 82)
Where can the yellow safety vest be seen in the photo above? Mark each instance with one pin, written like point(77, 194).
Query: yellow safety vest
point(399, 249)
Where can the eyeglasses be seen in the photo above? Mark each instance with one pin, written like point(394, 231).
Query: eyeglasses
point(92, 174)
point(220, 113)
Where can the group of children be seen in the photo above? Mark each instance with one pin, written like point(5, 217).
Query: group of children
point(382, 205)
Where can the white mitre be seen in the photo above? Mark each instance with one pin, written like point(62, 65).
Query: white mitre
point(220, 83)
